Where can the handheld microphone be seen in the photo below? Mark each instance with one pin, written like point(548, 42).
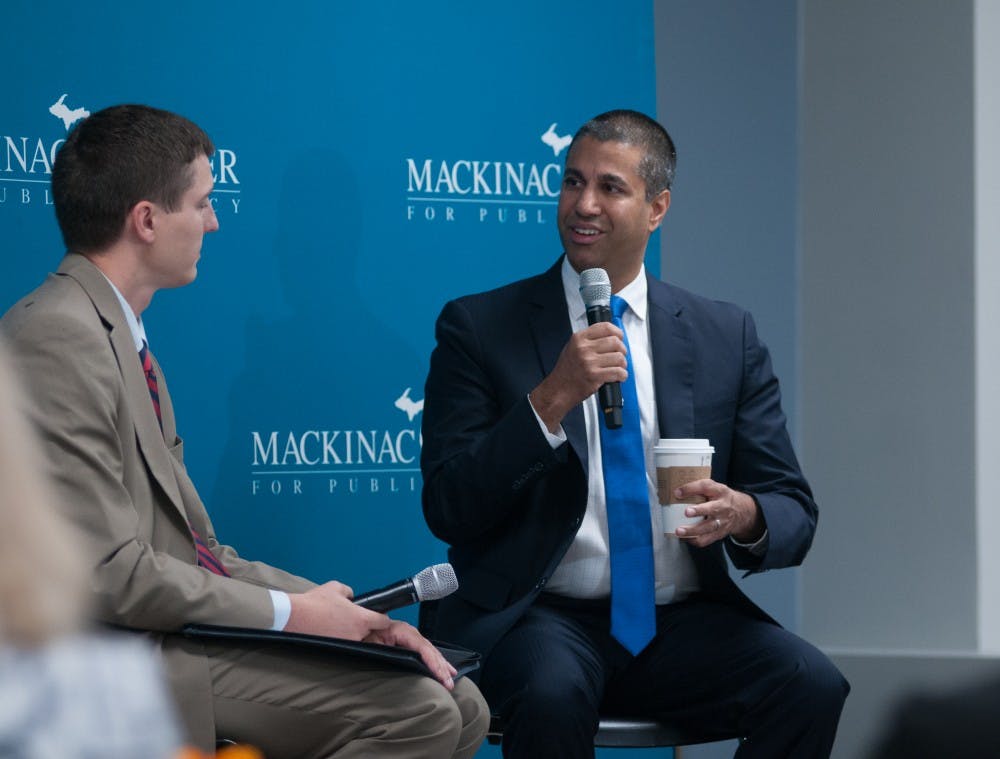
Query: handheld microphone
point(428, 584)
point(595, 287)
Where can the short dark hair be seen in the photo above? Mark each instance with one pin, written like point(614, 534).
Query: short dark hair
point(659, 157)
point(116, 158)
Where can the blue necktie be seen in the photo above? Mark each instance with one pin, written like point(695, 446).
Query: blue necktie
point(633, 610)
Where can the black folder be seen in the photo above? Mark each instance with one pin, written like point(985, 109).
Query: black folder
point(463, 660)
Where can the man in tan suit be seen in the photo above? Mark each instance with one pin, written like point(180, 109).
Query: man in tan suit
point(131, 191)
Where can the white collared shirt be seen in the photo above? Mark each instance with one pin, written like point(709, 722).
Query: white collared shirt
point(135, 325)
point(585, 570)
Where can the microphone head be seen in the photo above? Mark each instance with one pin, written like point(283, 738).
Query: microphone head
point(435, 582)
point(595, 288)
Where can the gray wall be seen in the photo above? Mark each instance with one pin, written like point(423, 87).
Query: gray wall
point(857, 121)
point(726, 90)
point(887, 410)
point(884, 274)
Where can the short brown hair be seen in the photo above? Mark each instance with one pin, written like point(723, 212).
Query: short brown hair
point(116, 158)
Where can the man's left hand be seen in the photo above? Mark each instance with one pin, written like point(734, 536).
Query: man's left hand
point(726, 512)
point(406, 636)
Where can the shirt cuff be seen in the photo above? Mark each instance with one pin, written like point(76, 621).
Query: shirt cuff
point(282, 609)
point(757, 548)
point(555, 440)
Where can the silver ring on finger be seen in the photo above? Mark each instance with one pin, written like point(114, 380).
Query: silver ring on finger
point(718, 524)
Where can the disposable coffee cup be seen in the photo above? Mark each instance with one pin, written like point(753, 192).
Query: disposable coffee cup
point(678, 462)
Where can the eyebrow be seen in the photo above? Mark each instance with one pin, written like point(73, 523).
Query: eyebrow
point(606, 177)
point(615, 178)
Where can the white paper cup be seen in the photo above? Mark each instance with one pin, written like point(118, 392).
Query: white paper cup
point(678, 462)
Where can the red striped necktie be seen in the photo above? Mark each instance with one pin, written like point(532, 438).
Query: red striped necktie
point(205, 557)
point(154, 389)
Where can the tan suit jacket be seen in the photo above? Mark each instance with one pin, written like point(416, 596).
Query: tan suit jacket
point(123, 482)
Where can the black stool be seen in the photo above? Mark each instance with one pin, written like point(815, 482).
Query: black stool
point(624, 732)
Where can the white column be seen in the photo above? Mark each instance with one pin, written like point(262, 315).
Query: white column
point(987, 294)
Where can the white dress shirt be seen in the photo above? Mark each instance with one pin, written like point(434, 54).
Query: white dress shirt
point(585, 570)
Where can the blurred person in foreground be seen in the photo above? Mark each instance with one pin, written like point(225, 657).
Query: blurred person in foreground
point(958, 722)
point(131, 188)
point(579, 602)
point(66, 691)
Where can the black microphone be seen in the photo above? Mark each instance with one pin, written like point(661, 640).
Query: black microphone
point(595, 287)
point(428, 584)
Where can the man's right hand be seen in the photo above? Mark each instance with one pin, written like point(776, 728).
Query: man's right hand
point(592, 357)
point(328, 610)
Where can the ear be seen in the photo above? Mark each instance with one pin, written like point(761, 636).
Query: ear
point(141, 221)
point(658, 209)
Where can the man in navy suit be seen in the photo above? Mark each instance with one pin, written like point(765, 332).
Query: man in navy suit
point(513, 482)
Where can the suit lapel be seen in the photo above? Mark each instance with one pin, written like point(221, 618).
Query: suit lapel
point(550, 328)
point(673, 362)
point(147, 429)
point(673, 375)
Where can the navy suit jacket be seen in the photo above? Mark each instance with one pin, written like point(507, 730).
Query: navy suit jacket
point(508, 505)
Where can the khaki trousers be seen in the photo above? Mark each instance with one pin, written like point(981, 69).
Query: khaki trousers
point(295, 704)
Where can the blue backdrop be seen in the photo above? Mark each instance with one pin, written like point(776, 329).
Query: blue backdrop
point(373, 161)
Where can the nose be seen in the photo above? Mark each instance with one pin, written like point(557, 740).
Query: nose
point(211, 220)
point(586, 202)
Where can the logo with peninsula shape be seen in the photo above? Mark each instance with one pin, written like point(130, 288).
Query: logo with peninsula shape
point(26, 162)
point(499, 189)
point(69, 116)
point(343, 462)
point(554, 141)
point(409, 406)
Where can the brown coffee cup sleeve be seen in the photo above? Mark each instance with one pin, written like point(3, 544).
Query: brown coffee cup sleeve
point(671, 478)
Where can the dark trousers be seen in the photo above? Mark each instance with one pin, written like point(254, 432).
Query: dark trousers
point(711, 666)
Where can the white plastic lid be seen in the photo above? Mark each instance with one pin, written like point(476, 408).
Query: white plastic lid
point(683, 444)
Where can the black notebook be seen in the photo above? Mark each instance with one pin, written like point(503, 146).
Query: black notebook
point(392, 656)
